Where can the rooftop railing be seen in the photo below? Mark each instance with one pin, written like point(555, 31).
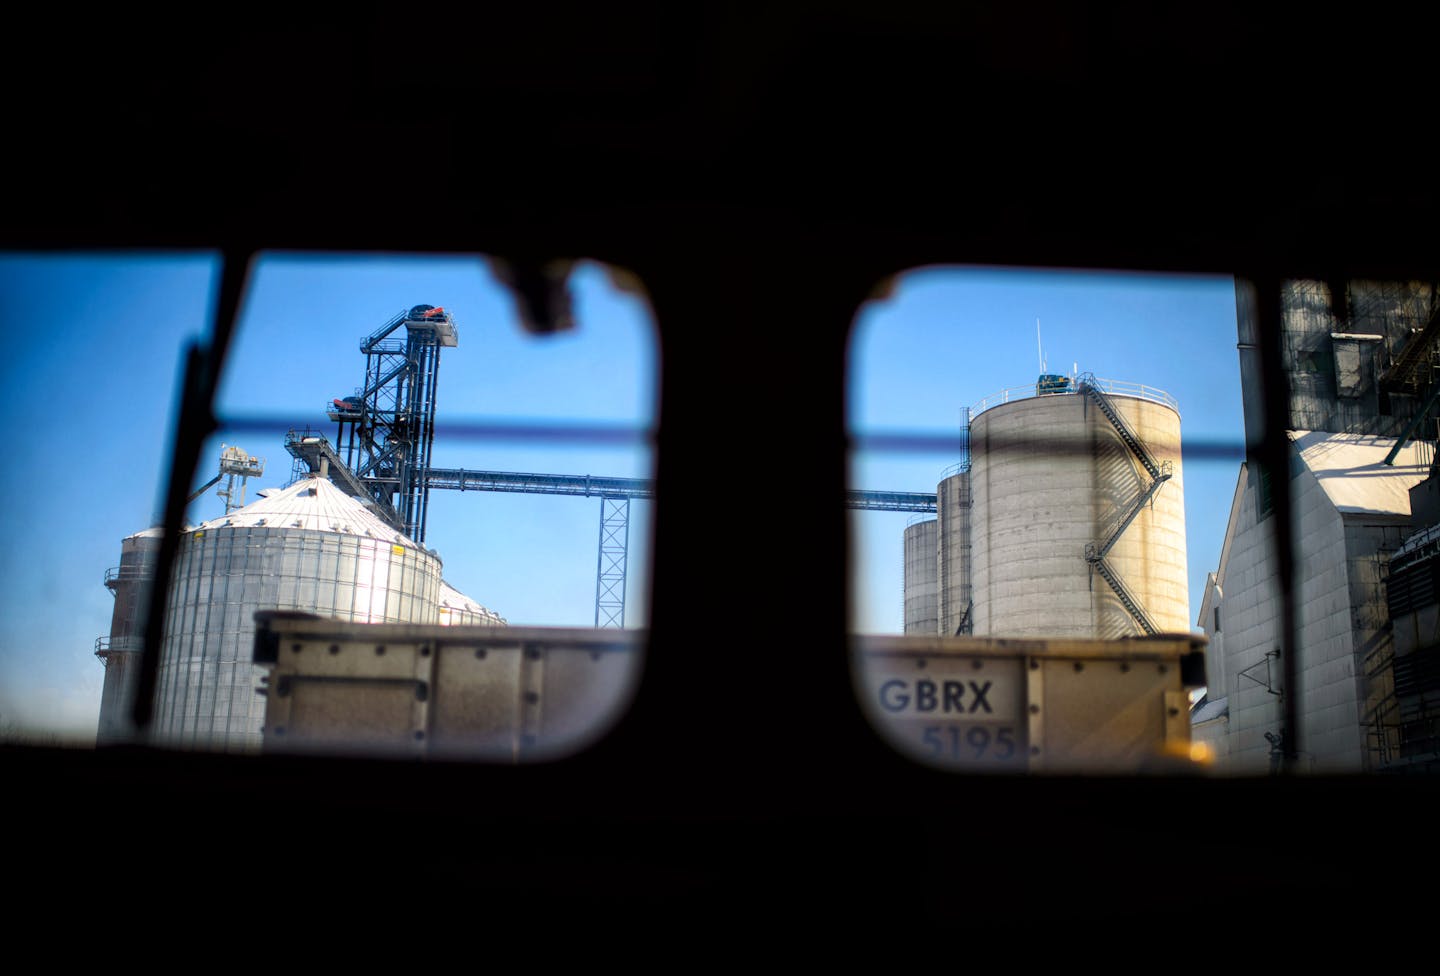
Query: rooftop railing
point(1113, 387)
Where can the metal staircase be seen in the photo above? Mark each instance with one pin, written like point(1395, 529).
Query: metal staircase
point(1159, 474)
point(1097, 395)
point(966, 625)
point(1166, 471)
point(312, 452)
point(1382, 731)
point(1127, 600)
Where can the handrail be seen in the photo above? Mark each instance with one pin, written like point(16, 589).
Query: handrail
point(1132, 440)
point(1118, 387)
point(1166, 473)
point(105, 646)
point(387, 347)
point(1127, 599)
point(116, 573)
point(390, 326)
point(298, 435)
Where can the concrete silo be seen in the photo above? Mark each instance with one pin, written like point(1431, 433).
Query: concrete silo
point(1078, 519)
point(309, 547)
point(120, 652)
point(953, 552)
point(921, 585)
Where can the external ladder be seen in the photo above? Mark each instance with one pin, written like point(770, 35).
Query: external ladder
point(1159, 474)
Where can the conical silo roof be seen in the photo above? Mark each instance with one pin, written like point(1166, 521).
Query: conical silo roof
point(314, 504)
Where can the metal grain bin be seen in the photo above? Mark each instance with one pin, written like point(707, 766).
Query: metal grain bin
point(309, 547)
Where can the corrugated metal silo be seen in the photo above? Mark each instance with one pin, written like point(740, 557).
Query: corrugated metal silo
point(1079, 516)
point(309, 547)
point(953, 508)
point(921, 586)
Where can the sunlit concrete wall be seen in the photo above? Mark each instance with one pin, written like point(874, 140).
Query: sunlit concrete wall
point(953, 507)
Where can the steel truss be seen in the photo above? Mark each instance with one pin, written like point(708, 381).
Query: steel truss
point(610, 564)
point(387, 429)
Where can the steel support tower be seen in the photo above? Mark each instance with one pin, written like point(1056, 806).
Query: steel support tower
point(387, 428)
point(610, 564)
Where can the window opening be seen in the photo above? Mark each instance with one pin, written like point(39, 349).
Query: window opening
point(1062, 497)
point(369, 466)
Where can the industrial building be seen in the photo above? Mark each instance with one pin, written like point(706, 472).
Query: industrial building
point(1361, 361)
point(1067, 518)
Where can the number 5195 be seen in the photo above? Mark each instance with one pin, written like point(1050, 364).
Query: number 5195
point(969, 742)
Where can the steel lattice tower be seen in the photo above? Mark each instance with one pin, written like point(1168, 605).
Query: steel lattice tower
point(610, 566)
point(387, 428)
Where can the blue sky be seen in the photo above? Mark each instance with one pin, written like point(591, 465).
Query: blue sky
point(529, 557)
point(96, 343)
